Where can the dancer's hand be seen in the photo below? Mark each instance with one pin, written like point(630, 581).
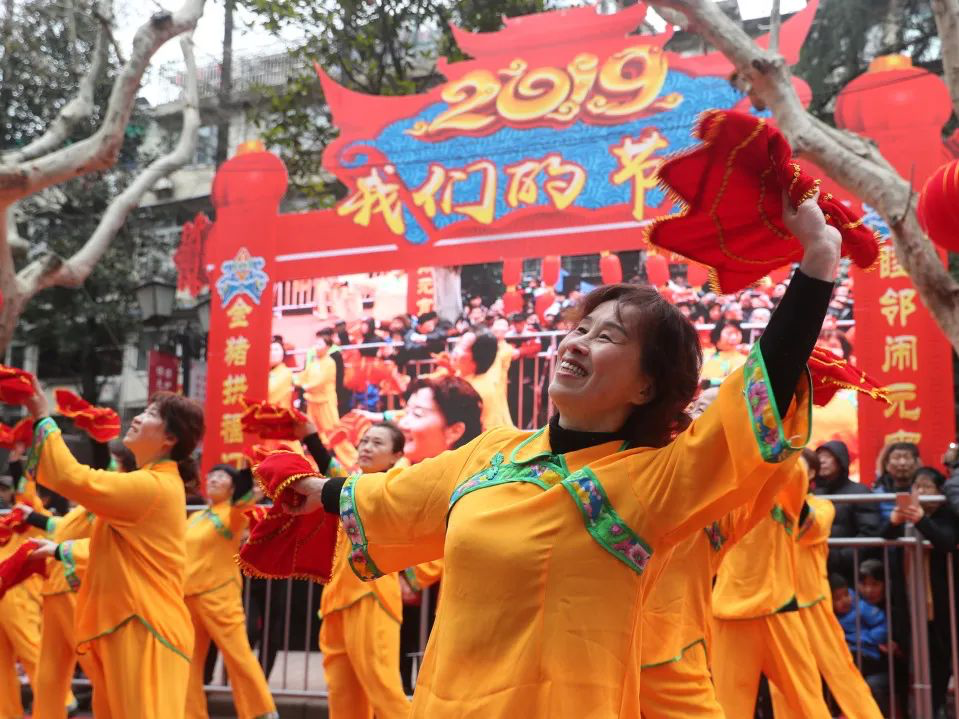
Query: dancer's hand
point(37, 405)
point(25, 508)
point(821, 243)
point(304, 429)
point(46, 549)
point(311, 489)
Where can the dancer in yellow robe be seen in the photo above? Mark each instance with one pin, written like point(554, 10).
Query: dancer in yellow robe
point(318, 380)
point(213, 591)
point(280, 387)
point(826, 637)
point(757, 628)
point(131, 617)
point(475, 358)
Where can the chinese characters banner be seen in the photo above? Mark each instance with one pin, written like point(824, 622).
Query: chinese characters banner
point(420, 291)
point(903, 348)
point(163, 372)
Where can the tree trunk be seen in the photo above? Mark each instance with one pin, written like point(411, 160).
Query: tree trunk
point(449, 292)
point(226, 86)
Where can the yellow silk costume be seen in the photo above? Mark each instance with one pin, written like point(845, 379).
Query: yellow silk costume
point(130, 615)
point(546, 555)
point(492, 390)
point(58, 654)
point(757, 629)
point(318, 380)
point(280, 387)
point(722, 363)
point(677, 637)
point(213, 591)
point(826, 637)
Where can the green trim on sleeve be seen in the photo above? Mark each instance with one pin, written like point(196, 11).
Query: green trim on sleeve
point(765, 417)
point(69, 565)
point(45, 427)
point(360, 560)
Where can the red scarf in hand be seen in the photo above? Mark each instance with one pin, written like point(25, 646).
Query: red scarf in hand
point(16, 385)
point(21, 433)
point(831, 373)
point(12, 523)
point(270, 421)
point(19, 566)
point(282, 545)
point(101, 423)
point(731, 191)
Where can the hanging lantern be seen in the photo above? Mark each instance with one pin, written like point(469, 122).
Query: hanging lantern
point(512, 301)
point(610, 268)
point(657, 270)
point(543, 303)
point(938, 208)
point(512, 271)
point(550, 273)
point(696, 274)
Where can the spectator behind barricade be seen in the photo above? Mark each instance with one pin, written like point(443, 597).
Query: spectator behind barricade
point(368, 335)
point(428, 338)
point(852, 519)
point(950, 460)
point(898, 463)
point(871, 643)
point(936, 523)
point(344, 396)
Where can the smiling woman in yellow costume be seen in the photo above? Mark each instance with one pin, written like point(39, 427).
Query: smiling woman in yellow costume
point(547, 538)
point(131, 617)
point(213, 591)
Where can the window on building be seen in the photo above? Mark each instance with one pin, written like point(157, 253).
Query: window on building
point(205, 146)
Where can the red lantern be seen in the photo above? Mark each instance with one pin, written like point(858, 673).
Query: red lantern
point(696, 274)
point(512, 271)
point(657, 270)
point(512, 301)
point(891, 95)
point(550, 273)
point(938, 208)
point(543, 303)
point(610, 268)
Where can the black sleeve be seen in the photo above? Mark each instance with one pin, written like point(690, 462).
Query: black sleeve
point(940, 532)
point(15, 468)
point(804, 513)
point(868, 520)
point(318, 452)
point(38, 520)
point(951, 490)
point(330, 496)
point(101, 455)
point(792, 333)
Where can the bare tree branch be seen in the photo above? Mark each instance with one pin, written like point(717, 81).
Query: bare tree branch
point(775, 25)
point(99, 151)
point(947, 22)
point(79, 108)
point(48, 270)
point(17, 243)
point(854, 163)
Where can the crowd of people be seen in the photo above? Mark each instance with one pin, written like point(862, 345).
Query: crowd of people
point(585, 568)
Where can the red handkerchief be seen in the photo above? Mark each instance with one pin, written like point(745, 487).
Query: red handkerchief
point(270, 421)
point(831, 373)
point(351, 428)
point(730, 189)
point(283, 545)
point(21, 433)
point(10, 524)
point(16, 385)
point(101, 423)
point(19, 566)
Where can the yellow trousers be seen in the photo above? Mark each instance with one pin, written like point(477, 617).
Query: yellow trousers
point(361, 650)
point(835, 662)
point(776, 646)
point(58, 658)
point(218, 616)
point(680, 689)
point(19, 639)
point(135, 676)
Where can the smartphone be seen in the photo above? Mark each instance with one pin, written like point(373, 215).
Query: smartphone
point(904, 500)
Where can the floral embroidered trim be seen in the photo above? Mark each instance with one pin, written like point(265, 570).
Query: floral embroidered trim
point(780, 516)
point(543, 474)
point(69, 565)
point(603, 523)
point(360, 560)
point(715, 535)
point(45, 427)
point(410, 576)
point(807, 525)
point(766, 420)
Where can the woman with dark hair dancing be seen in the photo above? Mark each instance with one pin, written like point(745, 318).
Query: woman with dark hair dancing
point(131, 617)
point(551, 541)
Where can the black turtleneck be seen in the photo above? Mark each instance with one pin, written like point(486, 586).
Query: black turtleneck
point(562, 440)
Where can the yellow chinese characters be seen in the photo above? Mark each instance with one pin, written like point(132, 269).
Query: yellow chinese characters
point(375, 196)
point(442, 182)
point(235, 386)
point(236, 349)
point(898, 304)
point(901, 353)
point(238, 313)
point(889, 267)
point(566, 181)
point(231, 428)
point(899, 394)
point(902, 435)
point(637, 165)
